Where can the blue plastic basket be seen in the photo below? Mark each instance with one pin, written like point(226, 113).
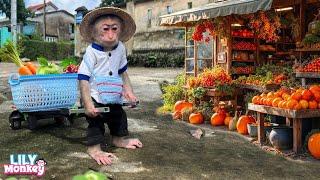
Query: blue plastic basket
point(44, 92)
point(109, 89)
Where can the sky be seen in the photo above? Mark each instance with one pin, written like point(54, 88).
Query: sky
point(69, 5)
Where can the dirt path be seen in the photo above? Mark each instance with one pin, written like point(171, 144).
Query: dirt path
point(169, 151)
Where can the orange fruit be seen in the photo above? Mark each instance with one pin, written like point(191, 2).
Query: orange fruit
point(297, 107)
point(285, 96)
point(307, 95)
point(316, 96)
point(256, 99)
point(299, 90)
point(269, 101)
point(313, 104)
point(292, 103)
point(270, 95)
point(304, 104)
point(276, 101)
point(263, 95)
point(281, 104)
point(296, 95)
point(314, 89)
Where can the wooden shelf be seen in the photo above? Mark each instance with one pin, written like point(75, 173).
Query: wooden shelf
point(314, 75)
point(305, 113)
point(242, 49)
point(308, 50)
point(266, 88)
point(251, 61)
point(243, 37)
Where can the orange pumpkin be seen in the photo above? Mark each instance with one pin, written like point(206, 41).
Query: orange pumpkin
point(217, 119)
point(256, 99)
point(314, 145)
point(292, 103)
point(296, 95)
point(242, 124)
point(276, 101)
point(304, 104)
point(179, 105)
point(307, 94)
point(177, 115)
point(196, 118)
point(227, 120)
point(313, 104)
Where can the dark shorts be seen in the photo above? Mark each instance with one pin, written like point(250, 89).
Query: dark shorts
point(116, 120)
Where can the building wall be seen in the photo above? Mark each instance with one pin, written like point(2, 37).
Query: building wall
point(49, 8)
point(57, 24)
point(154, 36)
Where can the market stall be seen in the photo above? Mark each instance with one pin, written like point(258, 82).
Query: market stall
point(262, 46)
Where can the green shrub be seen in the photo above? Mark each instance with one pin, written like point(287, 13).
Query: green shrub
point(173, 93)
point(157, 59)
point(50, 50)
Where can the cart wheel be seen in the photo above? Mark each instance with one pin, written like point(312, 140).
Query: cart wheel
point(32, 122)
point(15, 119)
point(63, 121)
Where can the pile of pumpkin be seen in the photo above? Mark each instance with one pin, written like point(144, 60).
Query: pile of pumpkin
point(291, 99)
point(219, 118)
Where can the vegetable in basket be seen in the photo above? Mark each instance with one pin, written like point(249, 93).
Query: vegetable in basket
point(69, 65)
point(47, 68)
point(10, 53)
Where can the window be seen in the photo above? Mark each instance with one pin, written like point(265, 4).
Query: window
point(169, 9)
point(189, 5)
point(71, 28)
point(149, 17)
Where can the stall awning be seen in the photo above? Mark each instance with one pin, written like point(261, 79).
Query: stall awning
point(212, 10)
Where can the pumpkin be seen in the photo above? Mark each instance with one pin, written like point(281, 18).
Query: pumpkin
point(217, 119)
point(179, 105)
point(242, 124)
point(313, 104)
point(314, 145)
point(307, 95)
point(227, 120)
point(196, 118)
point(177, 115)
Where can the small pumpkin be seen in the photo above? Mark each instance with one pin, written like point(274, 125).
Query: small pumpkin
point(227, 120)
point(217, 119)
point(177, 115)
point(314, 145)
point(242, 124)
point(179, 105)
point(196, 118)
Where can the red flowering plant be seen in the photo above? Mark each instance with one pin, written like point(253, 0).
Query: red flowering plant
point(266, 25)
point(201, 28)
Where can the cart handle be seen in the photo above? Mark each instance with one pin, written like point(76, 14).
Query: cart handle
point(14, 79)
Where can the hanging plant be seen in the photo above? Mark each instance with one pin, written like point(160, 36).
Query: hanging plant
point(266, 25)
point(201, 28)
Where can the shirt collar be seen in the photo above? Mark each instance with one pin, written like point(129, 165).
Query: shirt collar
point(101, 48)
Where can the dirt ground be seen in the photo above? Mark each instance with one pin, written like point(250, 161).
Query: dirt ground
point(169, 151)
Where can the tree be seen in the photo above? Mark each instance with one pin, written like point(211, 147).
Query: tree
point(23, 13)
point(110, 2)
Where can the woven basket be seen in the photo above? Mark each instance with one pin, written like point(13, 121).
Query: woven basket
point(44, 92)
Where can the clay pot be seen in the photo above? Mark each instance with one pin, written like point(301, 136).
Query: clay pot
point(281, 137)
point(252, 129)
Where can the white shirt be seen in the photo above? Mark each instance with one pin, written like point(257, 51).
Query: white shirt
point(102, 63)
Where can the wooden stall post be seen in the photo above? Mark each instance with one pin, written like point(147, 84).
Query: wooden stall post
point(297, 141)
point(261, 133)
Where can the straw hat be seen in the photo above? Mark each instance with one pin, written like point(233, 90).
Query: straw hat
point(128, 26)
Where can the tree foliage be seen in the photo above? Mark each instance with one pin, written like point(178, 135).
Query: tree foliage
point(110, 2)
point(22, 12)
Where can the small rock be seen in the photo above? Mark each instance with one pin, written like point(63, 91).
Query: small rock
point(196, 133)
